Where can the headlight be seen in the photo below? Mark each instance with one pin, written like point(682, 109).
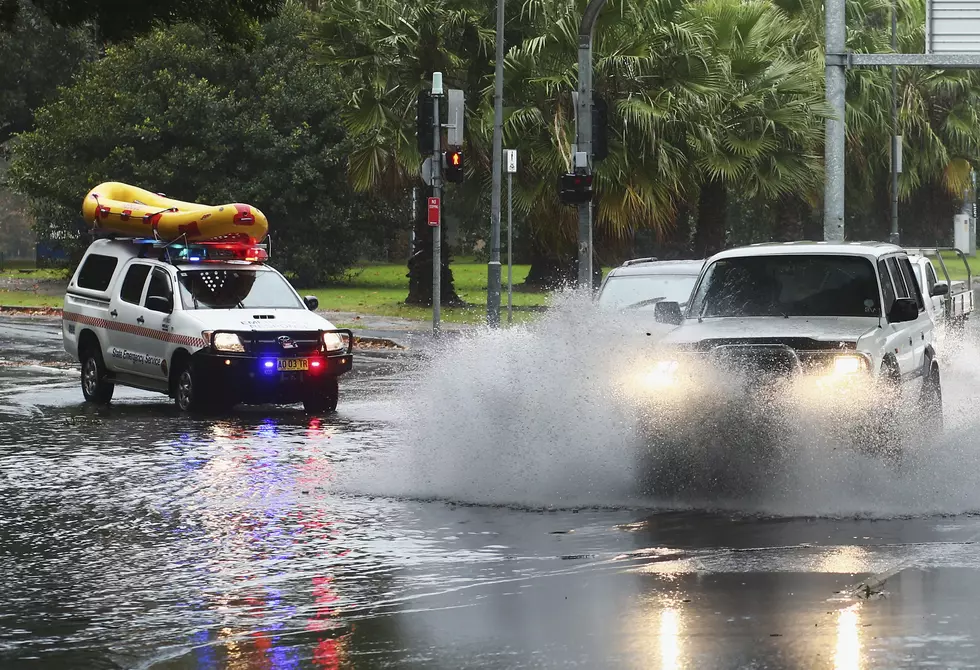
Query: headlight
point(849, 365)
point(333, 342)
point(661, 375)
point(227, 342)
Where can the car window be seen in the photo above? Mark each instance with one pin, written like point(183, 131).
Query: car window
point(97, 271)
point(133, 282)
point(159, 287)
point(887, 287)
point(914, 291)
point(643, 292)
point(930, 278)
point(901, 290)
point(790, 285)
point(236, 289)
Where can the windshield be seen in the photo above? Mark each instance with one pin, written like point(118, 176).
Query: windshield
point(645, 291)
point(230, 289)
point(790, 285)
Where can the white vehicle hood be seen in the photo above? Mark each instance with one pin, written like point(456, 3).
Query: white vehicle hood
point(821, 328)
point(249, 319)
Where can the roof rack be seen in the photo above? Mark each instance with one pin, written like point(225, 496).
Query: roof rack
point(634, 261)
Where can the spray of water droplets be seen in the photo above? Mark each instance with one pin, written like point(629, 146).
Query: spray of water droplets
point(534, 415)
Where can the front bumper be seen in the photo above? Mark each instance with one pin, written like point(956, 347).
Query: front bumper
point(256, 379)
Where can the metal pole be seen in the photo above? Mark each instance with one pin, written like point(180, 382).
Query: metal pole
point(493, 268)
point(833, 196)
point(411, 235)
point(583, 138)
point(437, 230)
point(510, 247)
point(894, 238)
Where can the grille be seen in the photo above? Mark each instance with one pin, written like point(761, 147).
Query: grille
point(267, 343)
point(755, 360)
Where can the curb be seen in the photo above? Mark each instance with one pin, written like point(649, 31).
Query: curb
point(26, 310)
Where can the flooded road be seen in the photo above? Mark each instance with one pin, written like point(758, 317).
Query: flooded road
point(133, 537)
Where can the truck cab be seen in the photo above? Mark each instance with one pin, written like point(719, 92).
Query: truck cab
point(210, 325)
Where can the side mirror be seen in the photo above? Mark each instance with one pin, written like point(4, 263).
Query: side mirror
point(159, 303)
point(903, 309)
point(311, 302)
point(939, 289)
point(668, 312)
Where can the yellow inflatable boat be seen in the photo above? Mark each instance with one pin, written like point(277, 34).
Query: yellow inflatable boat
point(121, 208)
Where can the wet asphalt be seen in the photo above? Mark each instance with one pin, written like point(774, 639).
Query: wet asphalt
point(134, 537)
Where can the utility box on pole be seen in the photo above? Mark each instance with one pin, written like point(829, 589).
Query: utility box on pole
point(952, 27)
point(965, 234)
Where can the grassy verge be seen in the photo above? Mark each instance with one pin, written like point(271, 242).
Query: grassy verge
point(369, 289)
point(957, 270)
point(381, 290)
point(30, 299)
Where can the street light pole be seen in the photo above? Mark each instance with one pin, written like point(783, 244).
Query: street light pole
point(583, 140)
point(896, 139)
point(493, 268)
point(835, 62)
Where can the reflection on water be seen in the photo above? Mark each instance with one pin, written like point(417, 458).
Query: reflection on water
point(848, 654)
point(670, 645)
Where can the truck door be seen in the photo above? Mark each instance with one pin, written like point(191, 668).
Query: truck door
point(124, 309)
point(155, 312)
point(921, 330)
point(893, 287)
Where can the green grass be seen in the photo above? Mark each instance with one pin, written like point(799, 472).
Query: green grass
point(34, 273)
point(955, 266)
point(29, 299)
point(376, 289)
point(381, 290)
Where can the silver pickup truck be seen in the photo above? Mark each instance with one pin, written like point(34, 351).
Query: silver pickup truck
point(948, 301)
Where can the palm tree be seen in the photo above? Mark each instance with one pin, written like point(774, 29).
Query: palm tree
point(388, 50)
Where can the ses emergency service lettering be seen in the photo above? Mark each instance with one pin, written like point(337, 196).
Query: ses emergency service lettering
point(135, 357)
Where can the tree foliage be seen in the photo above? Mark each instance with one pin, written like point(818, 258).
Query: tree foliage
point(116, 21)
point(181, 113)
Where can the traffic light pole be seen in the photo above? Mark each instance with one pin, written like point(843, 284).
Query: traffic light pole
point(436, 193)
point(493, 267)
point(583, 139)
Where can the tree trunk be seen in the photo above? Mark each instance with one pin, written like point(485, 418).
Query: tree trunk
point(420, 264)
point(549, 269)
point(789, 219)
point(712, 208)
point(677, 241)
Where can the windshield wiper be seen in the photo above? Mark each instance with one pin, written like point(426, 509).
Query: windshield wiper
point(644, 303)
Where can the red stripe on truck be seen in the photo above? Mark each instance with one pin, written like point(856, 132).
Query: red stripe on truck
point(142, 331)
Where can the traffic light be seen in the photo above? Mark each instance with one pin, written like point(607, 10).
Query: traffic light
point(574, 189)
point(454, 166)
point(425, 121)
point(600, 129)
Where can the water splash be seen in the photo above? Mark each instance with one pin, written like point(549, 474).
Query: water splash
point(531, 416)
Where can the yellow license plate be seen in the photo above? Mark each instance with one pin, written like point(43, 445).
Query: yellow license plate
point(290, 364)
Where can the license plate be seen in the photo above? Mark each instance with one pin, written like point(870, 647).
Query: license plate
point(290, 364)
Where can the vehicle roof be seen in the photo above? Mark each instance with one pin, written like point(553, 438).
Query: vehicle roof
point(658, 268)
point(866, 249)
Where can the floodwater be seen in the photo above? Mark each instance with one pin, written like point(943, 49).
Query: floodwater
point(470, 508)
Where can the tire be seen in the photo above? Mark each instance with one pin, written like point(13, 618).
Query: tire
point(323, 399)
point(189, 394)
point(95, 384)
point(887, 436)
point(931, 404)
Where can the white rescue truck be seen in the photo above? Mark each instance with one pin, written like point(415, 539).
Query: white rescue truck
point(207, 323)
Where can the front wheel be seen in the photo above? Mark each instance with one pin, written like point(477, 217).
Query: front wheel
point(931, 404)
point(323, 398)
point(95, 385)
point(188, 392)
